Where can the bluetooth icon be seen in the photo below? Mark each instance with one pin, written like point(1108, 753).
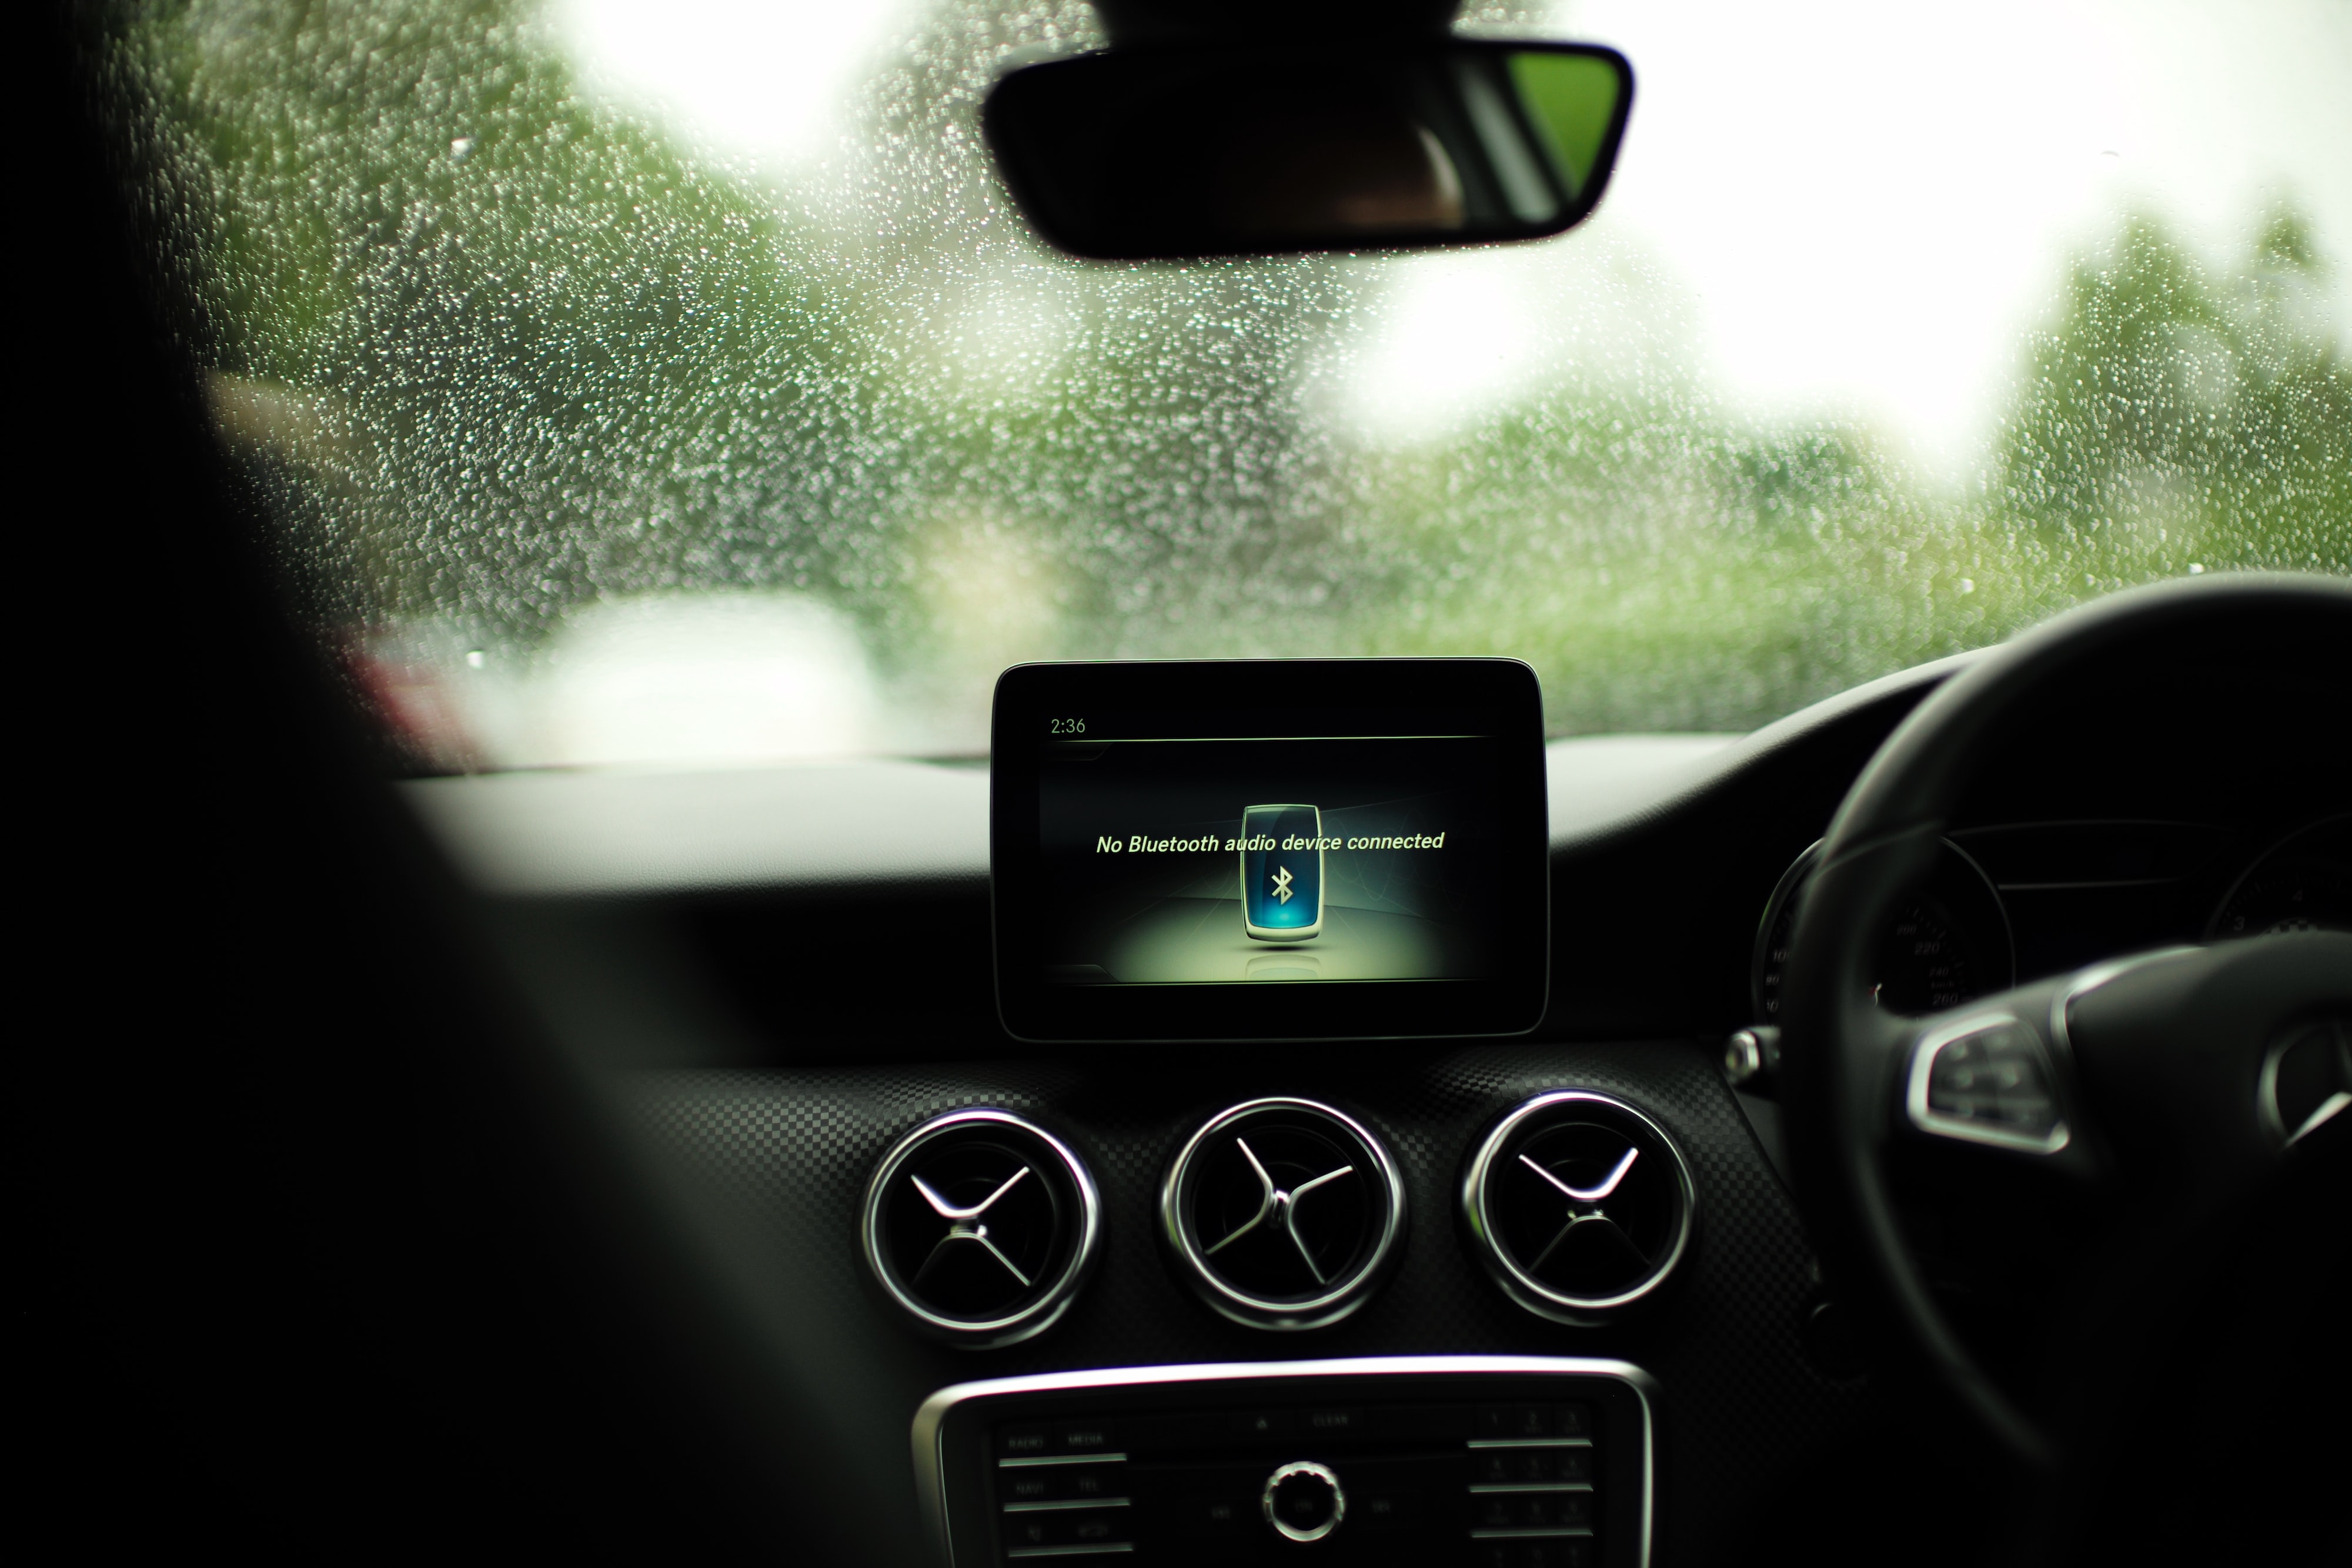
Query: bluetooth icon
point(1281, 883)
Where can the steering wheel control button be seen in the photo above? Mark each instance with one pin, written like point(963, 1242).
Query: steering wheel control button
point(1580, 1206)
point(982, 1226)
point(1987, 1079)
point(1304, 1502)
point(1283, 1214)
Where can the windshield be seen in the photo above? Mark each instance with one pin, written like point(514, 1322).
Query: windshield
point(672, 380)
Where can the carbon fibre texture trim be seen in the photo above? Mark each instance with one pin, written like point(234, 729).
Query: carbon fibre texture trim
point(776, 1160)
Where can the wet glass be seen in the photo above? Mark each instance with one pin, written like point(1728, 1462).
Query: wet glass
point(636, 382)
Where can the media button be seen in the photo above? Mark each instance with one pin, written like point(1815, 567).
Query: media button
point(1087, 1438)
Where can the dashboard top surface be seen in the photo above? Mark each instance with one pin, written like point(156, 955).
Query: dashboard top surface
point(1665, 849)
point(626, 832)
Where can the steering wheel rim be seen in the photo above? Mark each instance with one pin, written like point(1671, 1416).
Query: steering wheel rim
point(1841, 1055)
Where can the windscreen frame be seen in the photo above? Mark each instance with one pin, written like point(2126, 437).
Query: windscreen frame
point(1501, 696)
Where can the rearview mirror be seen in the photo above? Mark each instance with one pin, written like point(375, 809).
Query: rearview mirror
point(1221, 151)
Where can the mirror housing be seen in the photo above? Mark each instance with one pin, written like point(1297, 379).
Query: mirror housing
point(1184, 151)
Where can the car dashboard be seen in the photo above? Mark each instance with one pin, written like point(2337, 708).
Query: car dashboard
point(784, 976)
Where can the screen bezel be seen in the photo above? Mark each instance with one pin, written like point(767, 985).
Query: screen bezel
point(1500, 695)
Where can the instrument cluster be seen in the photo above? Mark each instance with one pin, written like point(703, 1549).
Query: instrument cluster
point(2014, 902)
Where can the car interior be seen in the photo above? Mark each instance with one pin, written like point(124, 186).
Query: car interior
point(1248, 1084)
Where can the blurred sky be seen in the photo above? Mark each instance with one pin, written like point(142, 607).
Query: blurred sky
point(1853, 207)
point(1873, 201)
point(761, 79)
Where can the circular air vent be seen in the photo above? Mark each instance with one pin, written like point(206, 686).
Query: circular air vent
point(982, 1226)
point(1580, 1205)
point(1283, 1214)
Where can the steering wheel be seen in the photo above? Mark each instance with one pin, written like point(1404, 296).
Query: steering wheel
point(2150, 1080)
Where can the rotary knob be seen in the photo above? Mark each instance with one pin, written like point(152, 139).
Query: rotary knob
point(1303, 1501)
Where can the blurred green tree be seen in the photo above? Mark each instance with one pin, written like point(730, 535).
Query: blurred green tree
point(498, 348)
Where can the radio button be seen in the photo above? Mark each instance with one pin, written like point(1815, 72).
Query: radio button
point(1021, 1442)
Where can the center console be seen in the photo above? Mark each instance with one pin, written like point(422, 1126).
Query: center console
point(1496, 1461)
point(1222, 852)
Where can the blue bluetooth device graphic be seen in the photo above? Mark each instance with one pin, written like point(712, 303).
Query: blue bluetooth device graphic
point(1282, 889)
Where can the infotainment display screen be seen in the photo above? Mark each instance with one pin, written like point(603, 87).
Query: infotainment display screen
point(1269, 849)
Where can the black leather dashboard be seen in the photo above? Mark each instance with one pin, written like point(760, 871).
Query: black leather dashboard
point(775, 1006)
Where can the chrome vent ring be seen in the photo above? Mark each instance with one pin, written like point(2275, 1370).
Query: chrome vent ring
point(1283, 1214)
point(1578, 1205)
point(982, 1226)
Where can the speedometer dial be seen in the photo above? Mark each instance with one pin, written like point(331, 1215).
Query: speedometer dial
point(1928, 961)
point(1946, 942)
point(2304, 882)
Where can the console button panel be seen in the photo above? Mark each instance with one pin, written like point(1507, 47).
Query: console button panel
point(1514, 1462)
